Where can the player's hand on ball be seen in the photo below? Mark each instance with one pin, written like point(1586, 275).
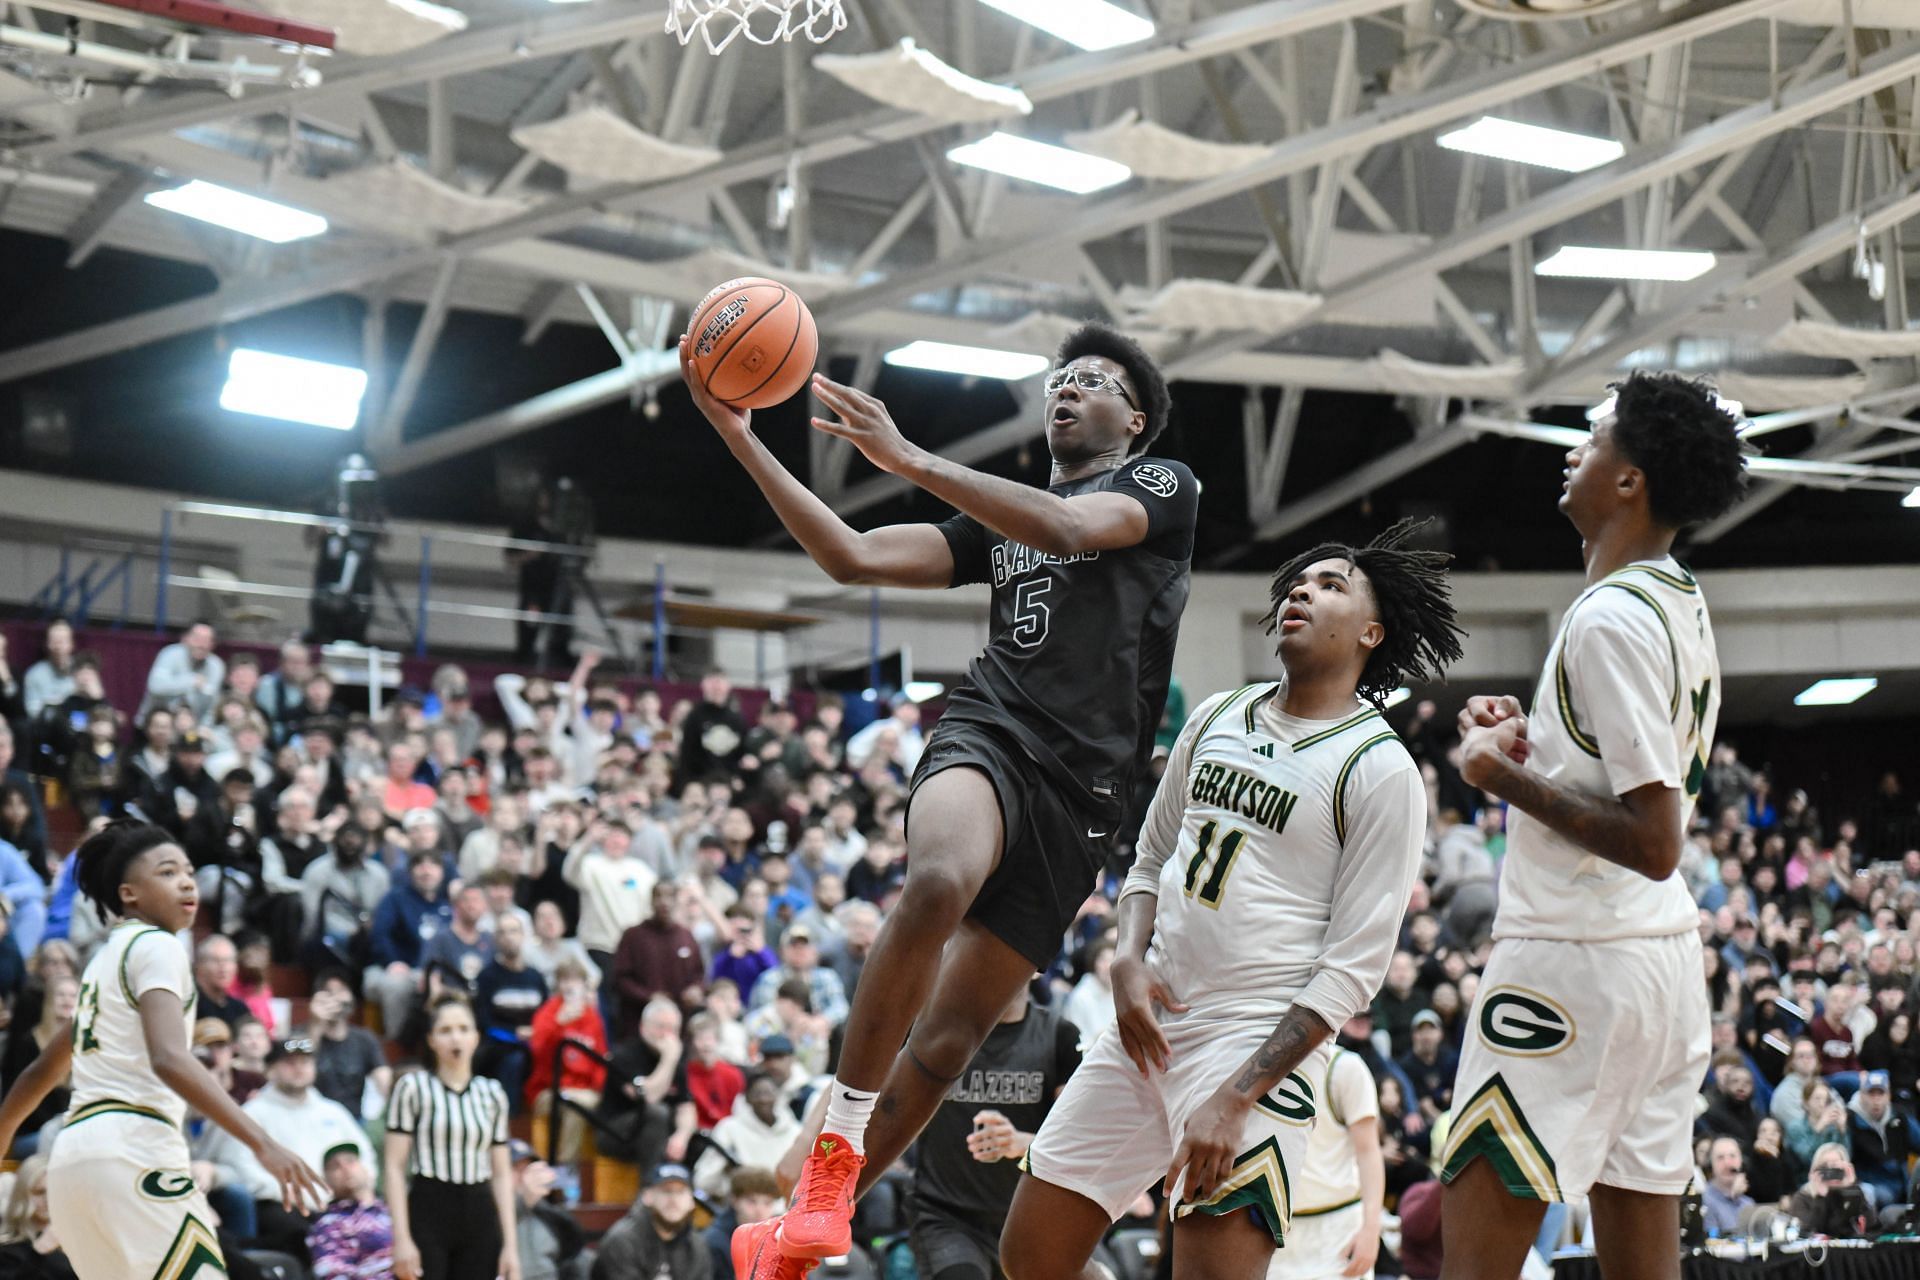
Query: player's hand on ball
point(1136, 990)
point(1209, 1145)
point(1361, 1251)
point(301, 1189)
point(406, 1260)
point(864, 421)
point(727, 420)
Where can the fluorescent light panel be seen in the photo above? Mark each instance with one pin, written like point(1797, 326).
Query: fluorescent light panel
point(1591, 263)
point(921, 690)
point(1912, 499)
point(972, 362)
point(293, 390)
point(1533, 144)
point(1090, 24)
point(1835, 693)
point(238, 211)
point(1398, 696)
point(1041, 162)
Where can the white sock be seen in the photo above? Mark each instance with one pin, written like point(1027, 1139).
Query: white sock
point(848, 1110)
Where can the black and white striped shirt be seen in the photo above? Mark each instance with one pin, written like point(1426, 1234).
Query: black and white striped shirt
point(454, 1131)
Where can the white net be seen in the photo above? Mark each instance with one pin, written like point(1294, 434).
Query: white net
point(721, 22)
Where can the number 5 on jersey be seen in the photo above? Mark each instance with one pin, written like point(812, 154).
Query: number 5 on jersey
point(1030, 615)
point(1209, 893)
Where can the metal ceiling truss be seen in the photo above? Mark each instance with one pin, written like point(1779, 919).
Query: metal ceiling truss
point(1349, 134)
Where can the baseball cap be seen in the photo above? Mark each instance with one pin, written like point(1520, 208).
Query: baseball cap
point(288, 1047)
point(190, 741)
point(797, 933)
point(1874, 1080)
point(776, 1045)
point(519, 1152)
point(1426, 1018)
point(669, 1172)
point(211, 1031)
point(340, 1149)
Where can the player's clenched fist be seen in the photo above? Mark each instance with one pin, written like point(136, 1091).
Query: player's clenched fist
point(1488, 710)
point(1136, 990)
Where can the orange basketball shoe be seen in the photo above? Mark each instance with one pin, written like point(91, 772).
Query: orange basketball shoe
point(819, 1222)
point(757, 1256)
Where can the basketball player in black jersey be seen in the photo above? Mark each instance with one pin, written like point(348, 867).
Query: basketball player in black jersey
point(1022, 783)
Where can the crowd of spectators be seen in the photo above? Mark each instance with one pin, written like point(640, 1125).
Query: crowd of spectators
point(689, 895)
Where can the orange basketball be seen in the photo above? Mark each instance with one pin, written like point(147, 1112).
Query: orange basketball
point(754, 342)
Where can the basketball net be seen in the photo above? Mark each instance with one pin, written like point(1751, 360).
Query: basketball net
point(720, 22)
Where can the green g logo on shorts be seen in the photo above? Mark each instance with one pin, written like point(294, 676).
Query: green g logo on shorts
point(165, 1184)
point(1524, 1023)
point(1291, 1100)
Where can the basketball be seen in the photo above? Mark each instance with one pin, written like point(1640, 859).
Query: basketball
point(754, 342)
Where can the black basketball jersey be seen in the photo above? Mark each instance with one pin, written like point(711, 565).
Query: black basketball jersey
point(1017, 1072)
point(1081, 649)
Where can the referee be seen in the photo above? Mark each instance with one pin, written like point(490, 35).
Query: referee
point(447, 1151)
point(971, 1150)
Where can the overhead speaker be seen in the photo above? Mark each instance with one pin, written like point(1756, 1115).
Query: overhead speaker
point(1548, 10)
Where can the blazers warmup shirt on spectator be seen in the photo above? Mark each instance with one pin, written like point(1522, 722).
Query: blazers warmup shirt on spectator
point(454, 1131)
point(1565, 1080)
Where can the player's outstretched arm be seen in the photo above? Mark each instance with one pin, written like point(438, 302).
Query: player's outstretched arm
point(1033, 517)
point(907, 555)
point(33, 1085)
point(163, 1021)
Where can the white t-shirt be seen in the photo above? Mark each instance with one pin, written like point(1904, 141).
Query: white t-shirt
point(615, 894)
point(1330, 1175)
point(1629, 696)
point(1282, 852)
point(110, 1059)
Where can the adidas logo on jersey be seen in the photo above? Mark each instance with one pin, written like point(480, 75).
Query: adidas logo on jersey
point(1264, 749)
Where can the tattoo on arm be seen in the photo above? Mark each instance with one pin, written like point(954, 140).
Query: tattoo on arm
point(1298, 1032)
point(1602, 825)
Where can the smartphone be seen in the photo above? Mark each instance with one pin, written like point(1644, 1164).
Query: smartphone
point(1831, 1175)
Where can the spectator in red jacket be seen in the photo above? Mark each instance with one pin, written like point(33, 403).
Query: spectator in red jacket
point(657, 957)
point(712, 1082)
point(569, 1015)
point(1838, 1050)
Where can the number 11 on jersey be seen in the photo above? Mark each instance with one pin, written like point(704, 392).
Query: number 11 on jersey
point(1229, 848)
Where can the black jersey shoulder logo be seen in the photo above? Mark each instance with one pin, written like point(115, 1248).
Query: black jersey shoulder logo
point(1524, 1023)
point(1156, 480)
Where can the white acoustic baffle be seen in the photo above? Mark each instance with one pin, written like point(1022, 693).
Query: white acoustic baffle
point(595, 144)
point(371, 27)
point(1218, 306)
point(1155, 151)
point(697, 274)
point(1042, 332)
point(1900, 14)
point(1841, 342)
point(1403, 375)
point(1767, 392)
point(908, 77)
point(401, 195)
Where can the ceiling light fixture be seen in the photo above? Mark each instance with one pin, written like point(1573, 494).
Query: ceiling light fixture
point(292, 389)
point(971, 362)
point(1533, 144)
point(1060, 167)
point(1591, 263)
point(238, 211)
point(1090, 24)
point(1835, 693)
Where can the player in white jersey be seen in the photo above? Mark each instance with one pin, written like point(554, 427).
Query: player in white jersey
point(1272, 871)
point(1590, 1033)
point(119, 1186)
point(1342, 1186)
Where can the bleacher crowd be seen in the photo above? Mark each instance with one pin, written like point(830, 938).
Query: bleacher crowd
point(689, 895)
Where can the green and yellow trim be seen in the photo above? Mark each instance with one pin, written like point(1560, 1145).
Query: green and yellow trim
point(1491, 1124)
point(1359, 717)
point(195, 1252)
point(1332, 1208)
point(1220, 710)
point(1253, 705)
point(112, 1106)
point(126, 953)
point(1346, 771)
point(1563, 698)
point(1682, 581)
point(1258, 1181)
point(1673, 650)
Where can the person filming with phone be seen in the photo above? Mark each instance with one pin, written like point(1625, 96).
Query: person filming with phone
point(1831, 1203)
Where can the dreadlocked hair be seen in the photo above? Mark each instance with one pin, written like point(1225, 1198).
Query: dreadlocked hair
point(1411, 597)
point(105, 857)
point(1675, 429)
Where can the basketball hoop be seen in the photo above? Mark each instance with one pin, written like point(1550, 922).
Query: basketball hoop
point(719, 22)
